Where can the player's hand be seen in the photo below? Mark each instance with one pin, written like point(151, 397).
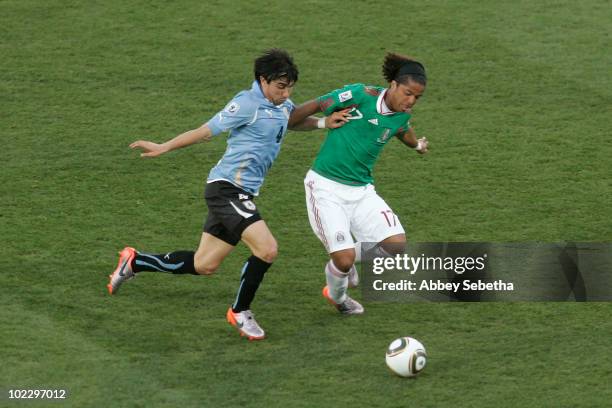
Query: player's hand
point(422, 145)
point(149, 149)
point(337, 119)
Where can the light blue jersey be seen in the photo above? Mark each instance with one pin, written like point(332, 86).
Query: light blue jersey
point(257, 128)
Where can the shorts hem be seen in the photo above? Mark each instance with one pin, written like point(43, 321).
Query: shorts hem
point(340, 248)
point(247, 222)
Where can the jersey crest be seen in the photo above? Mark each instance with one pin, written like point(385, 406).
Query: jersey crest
point(386, 134)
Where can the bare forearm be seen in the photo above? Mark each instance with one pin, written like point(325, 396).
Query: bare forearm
point(152, 149)
point(302, 113)
point(409, 138)
point(310, 123)
point(188, 138)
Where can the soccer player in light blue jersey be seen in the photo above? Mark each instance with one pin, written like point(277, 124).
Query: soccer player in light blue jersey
point(257, 121)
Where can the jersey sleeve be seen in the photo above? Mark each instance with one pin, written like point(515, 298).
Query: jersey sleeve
point(340, 98)
point(240, 111)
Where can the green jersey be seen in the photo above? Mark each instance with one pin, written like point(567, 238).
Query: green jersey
point(349, 153)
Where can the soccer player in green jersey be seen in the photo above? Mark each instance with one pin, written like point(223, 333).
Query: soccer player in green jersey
point(343, 207)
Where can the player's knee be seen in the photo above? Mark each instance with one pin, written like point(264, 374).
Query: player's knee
point(344, 262)
point(206, 268)
point(268, 252)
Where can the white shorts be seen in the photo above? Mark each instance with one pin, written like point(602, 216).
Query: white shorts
point(338, 212)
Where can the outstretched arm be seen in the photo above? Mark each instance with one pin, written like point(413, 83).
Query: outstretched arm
point(302, 112)
point(151, 149)
point(409, 138)
point(333, 121)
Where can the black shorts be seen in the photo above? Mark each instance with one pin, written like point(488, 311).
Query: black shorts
point(230, 211)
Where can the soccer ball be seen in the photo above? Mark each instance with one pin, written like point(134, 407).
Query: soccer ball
point(406, 356)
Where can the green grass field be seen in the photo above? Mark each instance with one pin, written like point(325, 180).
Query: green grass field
point(517, 111)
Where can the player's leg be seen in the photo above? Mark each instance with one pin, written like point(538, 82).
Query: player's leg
point(215, 244)
point(393, 244)
point(339, 279)
point(264, 249)
point(330, 223)
point(238, 219)
point(263, 246)
point(204, 261)
point(132, 262)
point(377, 229)
point(211, 252)
point(336, 274)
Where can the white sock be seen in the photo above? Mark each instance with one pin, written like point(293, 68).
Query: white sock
point(337, 282)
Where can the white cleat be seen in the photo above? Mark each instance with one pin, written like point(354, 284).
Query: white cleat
point(124, 270)
point(246, 324)
point(348, 307)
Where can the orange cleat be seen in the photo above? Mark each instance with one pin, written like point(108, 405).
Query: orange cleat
point(246, 324)
point(348, 306)
point(124, 270)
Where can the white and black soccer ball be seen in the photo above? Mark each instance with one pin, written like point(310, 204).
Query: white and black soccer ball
point(406, 356)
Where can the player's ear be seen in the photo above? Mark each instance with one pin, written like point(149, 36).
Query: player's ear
point(393, 85)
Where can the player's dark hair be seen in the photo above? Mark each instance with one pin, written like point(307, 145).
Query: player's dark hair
point(401, 69)
point(274, 64)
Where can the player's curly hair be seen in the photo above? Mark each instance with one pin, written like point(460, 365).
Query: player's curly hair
point(276, 63)
point(401, 68)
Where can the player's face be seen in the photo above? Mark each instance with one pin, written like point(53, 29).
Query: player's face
point(277, 91)
point(402, 97)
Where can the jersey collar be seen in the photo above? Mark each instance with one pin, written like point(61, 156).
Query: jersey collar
point(256, 88)
point(381, 106)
